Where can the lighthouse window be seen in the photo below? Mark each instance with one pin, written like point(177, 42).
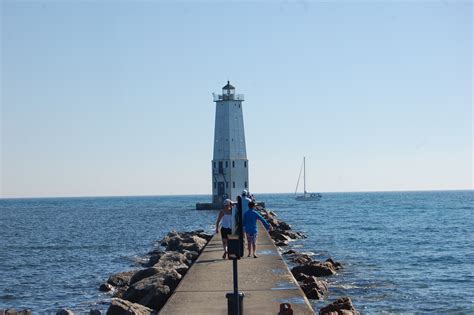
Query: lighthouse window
point(214, 164)
point(245, 184)
point(215, 185)
point(245, 164)
point(233, 184)
point(226, 184)
point(226, 164)
point(233, 163)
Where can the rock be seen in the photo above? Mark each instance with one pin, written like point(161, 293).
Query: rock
point(315, 268)
point(95, 312)
point(121, 279)
point(106, 287)
point(190, 255)
point(193, 244)
point(122, 307)
point(182, 242)
point(281, 243)
point(165, 240)
point(172, 258)
point(290, 252)
point(204, 235)
point(342, 306)
point(314, 289)
point(301, 276)
point(153, 260)
point(12, 311)
point(277, 235)
point(174, 236)
point(181, 269)
point(174, 243)
point(335, 264)
point(64, 312)
point(293, 235)
point(120, 291)
point(144, 273)
point(282, 225)
point(155, 251)
point(153, 291)
point(301, 259)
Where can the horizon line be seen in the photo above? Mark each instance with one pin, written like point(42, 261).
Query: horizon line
point(257, 193)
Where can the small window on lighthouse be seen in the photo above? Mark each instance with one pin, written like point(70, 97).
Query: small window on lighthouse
point(245, 184)
point(226, 184)
point(214, 164)
point(233, 163)
point(215, 185)
point(245, 164)
point(233, 184)
point(226, 164)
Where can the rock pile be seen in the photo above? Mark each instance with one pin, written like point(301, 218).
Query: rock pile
point(145, 291)
point(308, 271)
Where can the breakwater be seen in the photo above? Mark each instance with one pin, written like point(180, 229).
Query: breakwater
point(268, 279)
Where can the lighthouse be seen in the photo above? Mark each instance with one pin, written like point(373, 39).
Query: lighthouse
point(229, 166)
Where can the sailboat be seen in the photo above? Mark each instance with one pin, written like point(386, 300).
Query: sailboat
point(305, 196)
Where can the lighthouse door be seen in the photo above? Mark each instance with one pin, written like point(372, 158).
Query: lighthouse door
point(220, 188)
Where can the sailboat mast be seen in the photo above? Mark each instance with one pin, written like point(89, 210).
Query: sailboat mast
point(304, 173)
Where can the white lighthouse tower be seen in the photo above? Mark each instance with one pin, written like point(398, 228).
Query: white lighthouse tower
point(229, 165)
point(230, 173)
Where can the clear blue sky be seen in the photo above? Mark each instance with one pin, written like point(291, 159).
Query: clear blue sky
point(115, 98)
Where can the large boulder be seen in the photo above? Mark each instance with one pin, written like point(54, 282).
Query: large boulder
point(153, 291)
point(193, 244)
point(293, 235)
point(172, 259)
point(335, 264)
point(342, 306)
point(315, 268)
point(301, 259)
point(122, 307)
point(12, 311)
point(121, 279)
point(106, 287)
point(282, 225)
point(281, 243)
point(314, 289)
point(64, 312)
point(145, 273)
point(278, 235)
point(181, 242)
point(155, 256)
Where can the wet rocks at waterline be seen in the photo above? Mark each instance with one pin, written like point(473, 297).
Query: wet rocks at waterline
point(146, 290)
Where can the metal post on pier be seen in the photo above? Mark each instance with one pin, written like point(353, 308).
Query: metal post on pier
point(235, 251)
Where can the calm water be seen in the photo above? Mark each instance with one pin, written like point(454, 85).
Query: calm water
point(404, 252)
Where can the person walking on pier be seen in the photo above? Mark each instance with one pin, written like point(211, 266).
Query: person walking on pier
point(250, 226)
point(225, 220)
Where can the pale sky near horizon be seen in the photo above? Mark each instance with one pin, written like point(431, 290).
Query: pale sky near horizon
point(104, 98)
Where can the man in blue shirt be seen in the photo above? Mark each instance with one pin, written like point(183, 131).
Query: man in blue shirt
point(250, 227)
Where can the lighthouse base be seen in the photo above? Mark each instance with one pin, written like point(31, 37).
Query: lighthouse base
point(219, 206)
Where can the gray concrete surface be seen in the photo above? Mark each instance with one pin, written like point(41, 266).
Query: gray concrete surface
point(265, 281)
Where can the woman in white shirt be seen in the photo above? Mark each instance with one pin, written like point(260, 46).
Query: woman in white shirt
point(225, 219)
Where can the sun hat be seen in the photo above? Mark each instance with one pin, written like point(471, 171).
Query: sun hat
point(244, 192)
point(227, 202)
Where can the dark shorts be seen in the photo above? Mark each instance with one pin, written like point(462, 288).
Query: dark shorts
point(251, 238)
point(225, 232)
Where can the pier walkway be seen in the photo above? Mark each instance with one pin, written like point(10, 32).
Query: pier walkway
point(265, 281)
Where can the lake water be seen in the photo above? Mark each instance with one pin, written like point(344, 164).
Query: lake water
point(403, 252)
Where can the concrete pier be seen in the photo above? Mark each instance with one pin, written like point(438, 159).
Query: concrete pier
point(266, 282)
